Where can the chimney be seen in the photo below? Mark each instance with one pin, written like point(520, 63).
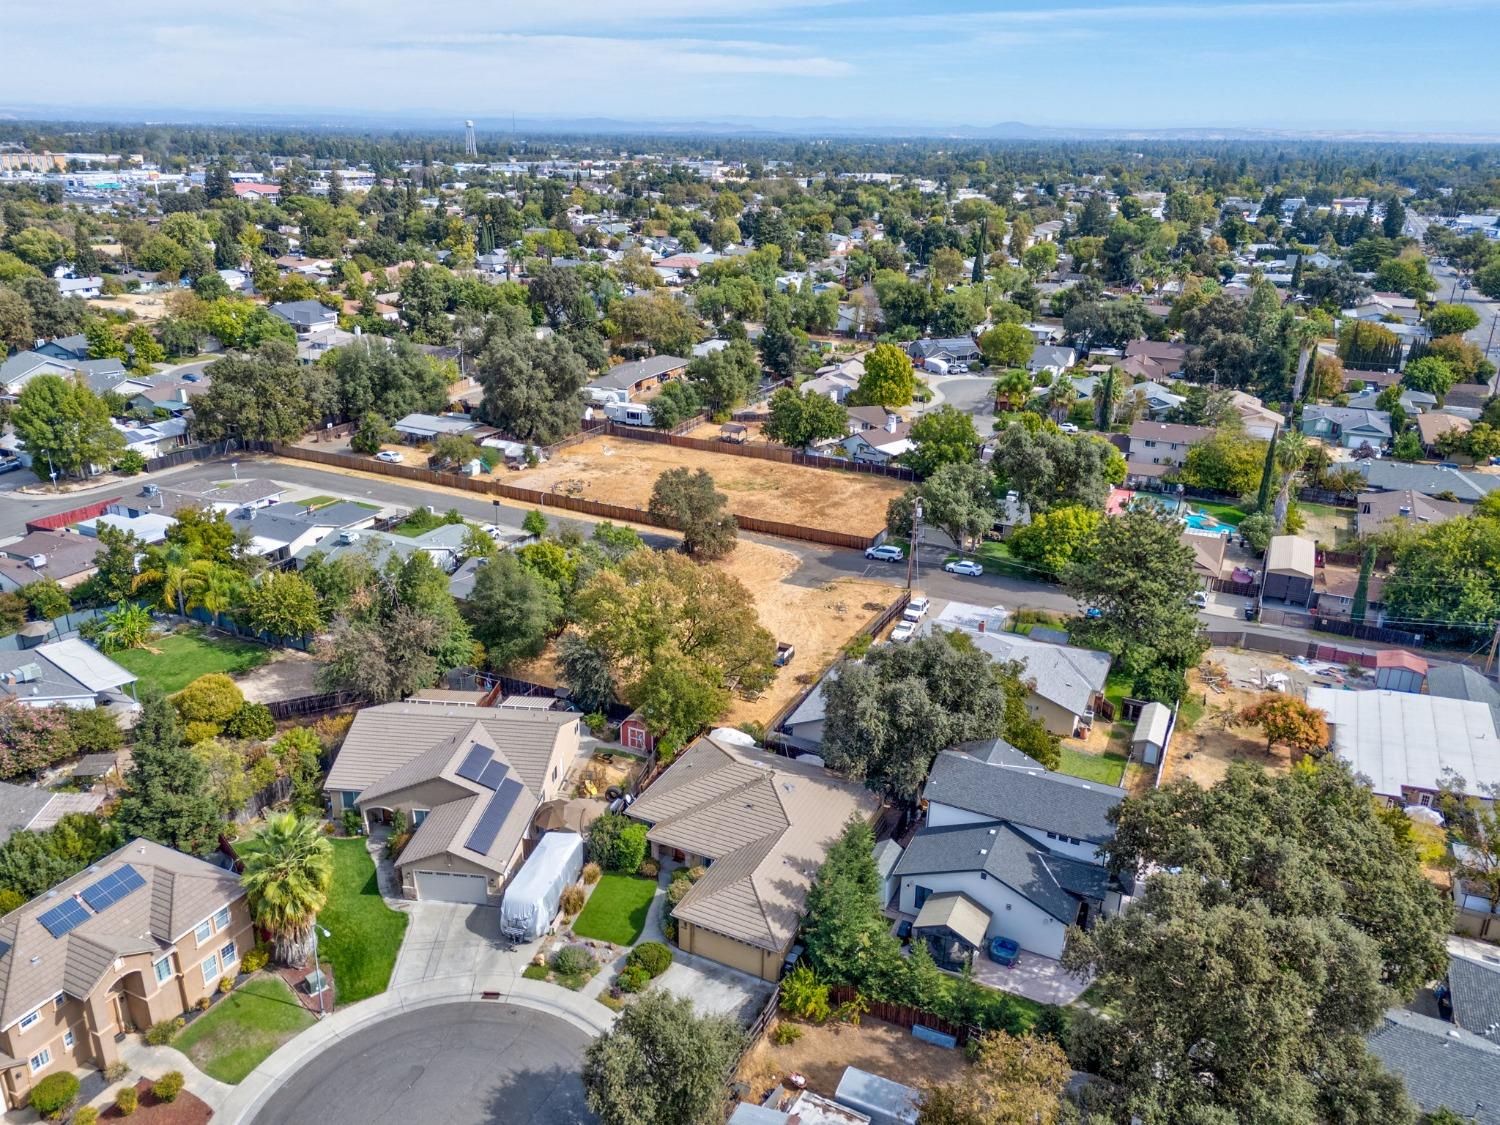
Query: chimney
point(891, 422)
point(981, 624)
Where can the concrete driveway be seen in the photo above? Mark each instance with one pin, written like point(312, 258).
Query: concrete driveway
point(450, 939)
point(715, 989)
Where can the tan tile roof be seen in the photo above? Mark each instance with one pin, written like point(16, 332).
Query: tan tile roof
point(180, 892)
point(766, 821)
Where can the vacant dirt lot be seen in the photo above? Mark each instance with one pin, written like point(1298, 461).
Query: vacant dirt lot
point(822, 1053)
point(1204, 753)
point(146, 306)
point(621, 471)
point(817, 619)
point(711, 431)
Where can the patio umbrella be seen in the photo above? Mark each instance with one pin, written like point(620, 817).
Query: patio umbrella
point(1422, 812)
point(573, 815)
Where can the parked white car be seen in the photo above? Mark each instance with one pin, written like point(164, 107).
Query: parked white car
point(964, 566)
point(1068, 428)
point(389, 456)
point(886, 552)
point(904, 631)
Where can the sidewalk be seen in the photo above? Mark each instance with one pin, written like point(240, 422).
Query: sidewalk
point(144, 1062)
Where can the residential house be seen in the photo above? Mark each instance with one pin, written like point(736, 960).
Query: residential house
point(168, 393)
point(1156, 400)
point(1385, 308)
point(1474, 989)
point(316, 344)
point(278, 533)
point(1428, 480)
point(1433, 428)
point(1404, 742)
point(254, 192)
point(1155, 359)
point(75, 347)
point(1291, 567)
point(137, 938)
point(1441, 1066)
point(66, 558)
point(1164, 443)
point(1209, 555)
point(1461, 681)
point(1337, 588)
point(305, 317)
point(89, 288)
point(152, 440)
point(880, 444)
point(1370, 380)
point(1046, 333)
point(148, 527)
point(67, 673)
point(1051, 358)
point(1413, 402)
point(1467, 400)
point(1008, 849)
point(1259, 421)
point(953, 349)
point(444, 544)
point(1065, 683)
point(23, 367)
point(802, 729)
point(1346, 426)
point(467, 779)
point(417, 428)
point(26, 808)
point(226, 496)
point(837, 380)
point(762, 824)
point(627, 381)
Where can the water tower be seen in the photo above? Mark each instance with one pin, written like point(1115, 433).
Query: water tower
point(471, 148)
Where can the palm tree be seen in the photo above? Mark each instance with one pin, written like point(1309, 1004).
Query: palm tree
point(1061, 397)
point(213, 586)
point(288, 869)
point(169, 570)
point(1291, 453)
point(1014, 386)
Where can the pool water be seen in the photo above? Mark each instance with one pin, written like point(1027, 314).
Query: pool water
point(1202, 521)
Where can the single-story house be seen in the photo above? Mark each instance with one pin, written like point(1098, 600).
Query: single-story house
point(70, 673)
point(1259, 420)
point(444, 544)
point(151, 440)
point(1209, 554)
point(316, 344)
point(625, 381)
point(30, 809)
point(279, 532)
point(66, 347)
point(305, 317)
point(468, 780)
point(1066, 683)
point(954, 349)
point(1054, 359)
point(227, 496)
point(1291, 568)
point(1404, 742)
point(148, 527)
point(1413, 402)
point(88, 288)
point(762, 824)
point(1164, 443)
point(1008, 849)
point(1347, 426)
point(1369, 379)
point(66, 558)
point(1379, 508)
point(428, 427)
point(1474, 990)
point(1433, 427)
point(1429, 480)
point(139, 937)
point(1442, 1066)
point(23, 367)
point(1155, 359)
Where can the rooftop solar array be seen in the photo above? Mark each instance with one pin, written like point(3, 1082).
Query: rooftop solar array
point(473, 764)
point(482, 838)
point(493, 775)
point(64, 917)
point(112, 888)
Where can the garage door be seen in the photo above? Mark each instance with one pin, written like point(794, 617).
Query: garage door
point(446, 886)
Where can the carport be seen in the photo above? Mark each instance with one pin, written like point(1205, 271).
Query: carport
point(452, 886)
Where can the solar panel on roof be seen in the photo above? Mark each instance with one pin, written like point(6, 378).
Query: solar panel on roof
point(493, 775)
point(482, 838)
point(112, 888)
point(473, 764)
point(64, 917)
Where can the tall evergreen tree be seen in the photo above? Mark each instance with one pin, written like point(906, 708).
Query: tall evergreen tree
point(980, 248)
point(1267, 473)
point(166, 796)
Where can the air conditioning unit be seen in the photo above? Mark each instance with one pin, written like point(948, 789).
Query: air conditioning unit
point(36, 562)
point(28, 673)
point(348, 537)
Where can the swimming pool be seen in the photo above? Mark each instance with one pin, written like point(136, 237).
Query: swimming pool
point(1202, 521)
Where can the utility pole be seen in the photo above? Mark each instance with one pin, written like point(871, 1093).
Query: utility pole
point(1489, 662)
point(916, 543)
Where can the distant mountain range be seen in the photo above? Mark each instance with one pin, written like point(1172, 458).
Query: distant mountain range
point(732, 126)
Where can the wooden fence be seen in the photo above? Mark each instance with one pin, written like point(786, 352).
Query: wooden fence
point(762, 452)
point(902, 1015)
point(305, 705)
point(1244, 589)
point(540, 499)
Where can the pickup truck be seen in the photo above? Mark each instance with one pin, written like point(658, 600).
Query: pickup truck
point(784, 654)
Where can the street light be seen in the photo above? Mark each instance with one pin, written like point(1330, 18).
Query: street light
point(497, 512)
point(234, 467)
point(322, 981)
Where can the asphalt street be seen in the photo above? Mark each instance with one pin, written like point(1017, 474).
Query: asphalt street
point(454, 1064)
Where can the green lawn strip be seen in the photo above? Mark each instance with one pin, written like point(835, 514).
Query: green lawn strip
point(616, 911)
point(366, 933)
point(535, 972)
point(1116, 687)
point(314, 502)
point(238, 1033)
point(1191, 711)
point(1224, 513)
point(1107, 769)
point(183, 657)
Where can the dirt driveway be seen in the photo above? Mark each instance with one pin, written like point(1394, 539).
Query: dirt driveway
point(822, 1053)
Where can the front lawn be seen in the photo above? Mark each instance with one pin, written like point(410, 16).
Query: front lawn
point(366, 933)
point(1107, 769)
point(176, 660)
point(238, 1033)
point(616, 911)
point(1224, 513)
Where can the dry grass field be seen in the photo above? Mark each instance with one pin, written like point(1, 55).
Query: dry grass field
point(621, 471)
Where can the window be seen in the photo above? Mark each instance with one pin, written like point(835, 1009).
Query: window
point(418, 816)
point(922, 894)
point(41, 1059)
point(29, 1020)
point(228, 955)
point(163, 970)
point(204, 931)
point(68, 1039)
point(221, 919)
point(210, 967)
point(348, 798)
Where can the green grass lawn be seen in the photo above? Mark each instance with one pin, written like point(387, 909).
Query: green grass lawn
point(1106, 769)
point(1116, 687)
point(239, 1032)
point(1224, 513)
point(182, 657)
point(366, 932)
point(1191, 710)
point(616, 911)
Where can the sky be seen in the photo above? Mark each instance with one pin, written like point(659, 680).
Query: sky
point(1383, 65)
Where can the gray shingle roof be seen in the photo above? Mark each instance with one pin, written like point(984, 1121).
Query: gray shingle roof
point(1029, 795)
point(1064, 675)
point(1474, 986)
point(1054, 882)
point(1428, 479)
point(19, 806)
point(625, 376)
point(1441, 1065)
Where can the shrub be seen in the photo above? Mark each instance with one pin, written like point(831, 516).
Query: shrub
point(591, 873)
point(85, 1115)
point(256, 959)
point(572, 899)
point(597, 722)
point(649, 869)
point(804, 996)
point(168, 1086)
point(572, 960)
point(677, 891)
point(54, 1094)
point(116, 1070)
point(652, 956)
point(251, 720)
point(785, 1034)
point(353, 824)
point(126, 1101)
point(630, 848)
point(226, 982)
point(632, 978)
point(202, 1003)
point(196, 732)
point(694, 873)
point(130, 463)
point(159, 1034)
point(213, 698)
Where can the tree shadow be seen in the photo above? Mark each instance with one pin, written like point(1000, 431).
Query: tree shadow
point(550, 1096)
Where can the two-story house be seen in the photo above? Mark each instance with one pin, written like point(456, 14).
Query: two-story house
point(1018, 842)
point(138, 937)
point(1164, 443)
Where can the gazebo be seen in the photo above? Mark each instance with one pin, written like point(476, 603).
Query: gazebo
point(953, 925)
